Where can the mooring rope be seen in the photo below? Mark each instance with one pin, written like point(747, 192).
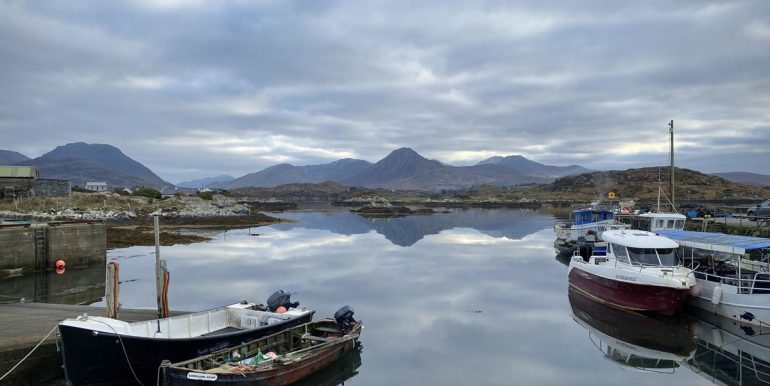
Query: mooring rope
point(30, 353)
point(128, 361)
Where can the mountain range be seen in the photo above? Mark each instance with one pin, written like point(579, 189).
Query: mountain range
point(81, 162)
point(746, 178)
point(8, 157)
point(207, 181)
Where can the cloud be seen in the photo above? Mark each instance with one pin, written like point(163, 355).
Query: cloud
point(195, 88)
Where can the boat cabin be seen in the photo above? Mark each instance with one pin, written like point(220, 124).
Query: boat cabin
point(639, 248)
point(588, 216)
point(654, 221)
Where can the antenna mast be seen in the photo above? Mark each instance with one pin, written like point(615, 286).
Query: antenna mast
point(671, 181)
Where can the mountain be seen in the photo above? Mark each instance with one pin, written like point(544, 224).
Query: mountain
point(8, 157)
point(642, 184)
point(287, 173)
point(532, 168)
point(746, 178)
point(207, 181)
point(406, 169)
point(81, 162)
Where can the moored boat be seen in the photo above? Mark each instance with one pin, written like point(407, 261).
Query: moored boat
point(279, 359)
point(634, 270)
point(99, 350)
point(584, 228)
point(732, 273)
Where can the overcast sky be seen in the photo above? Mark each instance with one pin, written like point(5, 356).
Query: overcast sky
point(200, 88)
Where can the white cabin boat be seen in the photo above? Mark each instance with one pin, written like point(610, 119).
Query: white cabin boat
point(733, 273)
point(634, 270)
point(584, 228)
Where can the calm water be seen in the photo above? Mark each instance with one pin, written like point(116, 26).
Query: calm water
point(473, 297)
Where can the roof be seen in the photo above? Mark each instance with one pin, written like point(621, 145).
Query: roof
point(91, 183)
point(718, 242)
point(663, 215)
point(638, 239)
point(18, 171)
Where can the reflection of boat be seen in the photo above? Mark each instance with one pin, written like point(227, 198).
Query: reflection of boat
point(100, 350)
point(729, 353)
point(338, 372)
point(636, 270)
point(293, 354)
point(631, 339)
point(731, 271)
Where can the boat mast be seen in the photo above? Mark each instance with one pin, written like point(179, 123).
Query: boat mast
point(671, 181)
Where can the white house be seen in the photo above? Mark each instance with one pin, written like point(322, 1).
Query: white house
point(96, 186)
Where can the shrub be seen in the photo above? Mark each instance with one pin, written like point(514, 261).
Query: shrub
point(148, 192)
point(206, 195)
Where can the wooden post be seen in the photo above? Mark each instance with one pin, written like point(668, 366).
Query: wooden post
point(158, 269)
point(112, 290)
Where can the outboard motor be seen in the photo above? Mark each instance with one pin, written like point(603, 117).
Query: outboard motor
point(344, 318)
point(280, 298)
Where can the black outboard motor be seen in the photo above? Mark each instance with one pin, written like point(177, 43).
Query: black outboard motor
point(280, 298)
point(344, 318)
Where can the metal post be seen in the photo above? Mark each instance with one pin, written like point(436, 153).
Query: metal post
point(158, 268)
point(671, 182)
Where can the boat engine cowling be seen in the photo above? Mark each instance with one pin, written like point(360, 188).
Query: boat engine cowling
point(280, 298)
point(344, 318)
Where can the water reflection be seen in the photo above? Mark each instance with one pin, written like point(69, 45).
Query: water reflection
point(77, 285)
point(338, 372)
point(405, 231)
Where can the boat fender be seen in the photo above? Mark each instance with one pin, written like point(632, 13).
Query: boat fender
point(695, 290)
point(716, 297)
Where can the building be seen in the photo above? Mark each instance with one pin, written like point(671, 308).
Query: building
point(17, 181)
point(96, 186)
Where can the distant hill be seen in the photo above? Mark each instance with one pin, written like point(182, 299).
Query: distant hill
point(8, 157)
point(746, 178)
point(207, 181)
point(406, 169)
point(81, 162)
point(642, 184)
point(325, 190)
point(286, 174)
point(532, 168)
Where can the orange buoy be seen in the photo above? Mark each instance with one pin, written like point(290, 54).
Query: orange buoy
point(281, 309)
point(59, 266)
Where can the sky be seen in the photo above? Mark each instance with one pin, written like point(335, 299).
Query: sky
point(201, 88)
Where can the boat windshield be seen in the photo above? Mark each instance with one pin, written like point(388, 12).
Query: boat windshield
point(653, 256)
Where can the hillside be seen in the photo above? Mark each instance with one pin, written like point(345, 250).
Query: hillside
point(324, 190)
point(531, 168)
point(287, 173)
point(206, 181)
point(746, 178)
point(8, 157)
point(406, 169)
point(642, 184)
point(82, 162)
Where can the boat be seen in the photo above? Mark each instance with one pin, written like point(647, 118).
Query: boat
point(633, 340)
point(99, 350)
point(279, 359)
point(634, 270)
point(338, 372)
point(584, 228)
point(732, 272)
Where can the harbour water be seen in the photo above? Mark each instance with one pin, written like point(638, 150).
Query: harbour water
point(469, 297)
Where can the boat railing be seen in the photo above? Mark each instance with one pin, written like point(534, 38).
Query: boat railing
point(748, 283)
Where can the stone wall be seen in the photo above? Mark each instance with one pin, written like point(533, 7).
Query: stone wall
point(77, 244)
point(53, 188)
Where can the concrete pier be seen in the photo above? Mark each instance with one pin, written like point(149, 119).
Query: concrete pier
point(22, 326)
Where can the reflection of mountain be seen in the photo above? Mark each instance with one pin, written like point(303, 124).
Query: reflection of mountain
point(728, 352)
point(405, 231)
point(77, 285)
point(338, 372)
point(631, 339)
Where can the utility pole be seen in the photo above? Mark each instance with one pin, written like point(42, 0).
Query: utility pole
point(671, 181)
point(158, 271)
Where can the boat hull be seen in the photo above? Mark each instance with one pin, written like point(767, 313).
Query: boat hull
point(288, 374)
point(630, 296)
point(98, 358)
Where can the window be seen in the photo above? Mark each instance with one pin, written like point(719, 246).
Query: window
point(670, 224)
point(655, 257)
point(660, 223)
point(679, 224)
point(620, 253)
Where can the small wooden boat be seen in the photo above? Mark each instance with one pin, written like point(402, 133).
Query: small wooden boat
point(279, 359)
point(98, 350)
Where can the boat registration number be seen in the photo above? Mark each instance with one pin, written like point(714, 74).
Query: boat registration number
point(202, 376)
point(629, 278)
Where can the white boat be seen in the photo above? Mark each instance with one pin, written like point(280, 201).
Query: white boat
point(733, 273)
point(584, 228)
point(634, 270)
point(653, 221)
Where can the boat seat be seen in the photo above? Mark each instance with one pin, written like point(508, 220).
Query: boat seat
point(598, 260)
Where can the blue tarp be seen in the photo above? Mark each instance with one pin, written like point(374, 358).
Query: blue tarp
point(716, 241)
